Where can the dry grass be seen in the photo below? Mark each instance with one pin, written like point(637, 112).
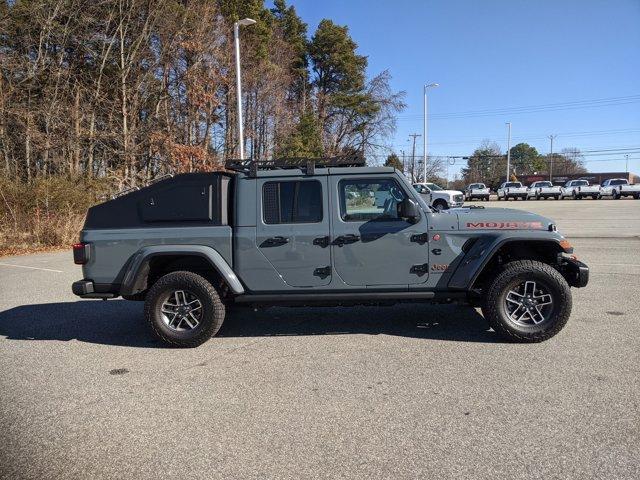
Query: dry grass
point(45, 214)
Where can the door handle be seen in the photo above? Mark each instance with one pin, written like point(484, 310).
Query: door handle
point(344, 239)
point(322, 241)
point(274, 242)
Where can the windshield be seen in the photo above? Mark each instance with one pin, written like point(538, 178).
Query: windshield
point(432, 186)
point(513, 184)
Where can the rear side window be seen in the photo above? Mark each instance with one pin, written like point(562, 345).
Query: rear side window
point(292, 202)
point(618, 182)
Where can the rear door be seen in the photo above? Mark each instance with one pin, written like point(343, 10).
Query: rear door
point(293, 229)
point(371, 244)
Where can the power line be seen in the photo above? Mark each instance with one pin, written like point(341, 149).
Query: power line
point(578, 104)
point(536, 136)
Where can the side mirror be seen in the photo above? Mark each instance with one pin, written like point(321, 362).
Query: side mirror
point(409, 210)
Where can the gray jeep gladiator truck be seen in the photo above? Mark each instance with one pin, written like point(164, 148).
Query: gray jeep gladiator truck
point(319, 232)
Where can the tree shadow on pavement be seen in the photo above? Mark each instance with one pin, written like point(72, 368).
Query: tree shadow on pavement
point(120, 322)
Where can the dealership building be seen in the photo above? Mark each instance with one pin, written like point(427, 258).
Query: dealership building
point(593, 178)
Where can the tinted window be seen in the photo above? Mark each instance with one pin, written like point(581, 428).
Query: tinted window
point(364, 199)
point(580, 183)
point(618, 182)
point(292, 202)
point(513, 184)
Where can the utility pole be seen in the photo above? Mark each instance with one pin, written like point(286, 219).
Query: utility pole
point(404, 168)
point(551, 137)
point(413, 156)
point(424, 132)
point(508, 151)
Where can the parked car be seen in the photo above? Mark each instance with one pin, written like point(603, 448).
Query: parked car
point(513, 190)
point(477, 190)
point(578, 189)
point(619, 187)
point(544, 190)
point(439, 198)
point(198, 245)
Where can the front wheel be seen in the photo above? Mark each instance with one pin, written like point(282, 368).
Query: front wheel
point(440, 205)
point(183, 309)
point(529, 301)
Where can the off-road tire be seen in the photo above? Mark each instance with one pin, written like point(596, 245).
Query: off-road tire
point(616, 195)
point(212, 316)
point(494, 309)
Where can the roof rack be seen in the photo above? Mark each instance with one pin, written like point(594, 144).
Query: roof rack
point(251, 167)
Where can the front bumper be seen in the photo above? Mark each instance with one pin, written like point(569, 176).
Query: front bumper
point(86, 289)
point(575, 272)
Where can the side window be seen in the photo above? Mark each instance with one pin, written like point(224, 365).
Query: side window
point(367, 199)
point(292, 202)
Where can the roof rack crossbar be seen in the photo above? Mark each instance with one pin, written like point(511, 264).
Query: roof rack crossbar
point(251, 167)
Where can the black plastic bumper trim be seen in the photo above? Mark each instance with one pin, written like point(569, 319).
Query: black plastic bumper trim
point(87, 289)
point(577, 273)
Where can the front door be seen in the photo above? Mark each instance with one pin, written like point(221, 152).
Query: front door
point(293, 229)
point(371, 244)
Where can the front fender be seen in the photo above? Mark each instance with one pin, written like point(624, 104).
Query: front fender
point(135, 278)
point(485, 247)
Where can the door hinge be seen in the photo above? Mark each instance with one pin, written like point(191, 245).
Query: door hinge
point(322, 272)
point(420, 238)
point(420, 269)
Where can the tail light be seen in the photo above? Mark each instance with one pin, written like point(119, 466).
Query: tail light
point(81, 252)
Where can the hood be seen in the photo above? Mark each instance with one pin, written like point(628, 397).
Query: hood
point(500, 219)
point(447, 192)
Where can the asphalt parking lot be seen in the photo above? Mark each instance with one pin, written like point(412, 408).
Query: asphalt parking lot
point(408, 391)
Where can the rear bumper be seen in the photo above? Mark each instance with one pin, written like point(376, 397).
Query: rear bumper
point(87, 289)
point(576, 273)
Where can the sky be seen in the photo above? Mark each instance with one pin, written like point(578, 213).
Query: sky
point(569, 68)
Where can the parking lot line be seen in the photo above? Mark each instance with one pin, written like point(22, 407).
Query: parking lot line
point(32, 268)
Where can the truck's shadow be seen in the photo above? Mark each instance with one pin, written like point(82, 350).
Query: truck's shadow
point(119, 322)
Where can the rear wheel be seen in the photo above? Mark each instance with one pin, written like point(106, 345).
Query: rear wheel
point(616, 195)
point(529, 301)
point(183, 309)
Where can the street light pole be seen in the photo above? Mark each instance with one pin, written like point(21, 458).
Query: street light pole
point(424, 132)
point(626, 168)
point(413, 157)
point(236, 36)
point(508, 151)
point(551, 137)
